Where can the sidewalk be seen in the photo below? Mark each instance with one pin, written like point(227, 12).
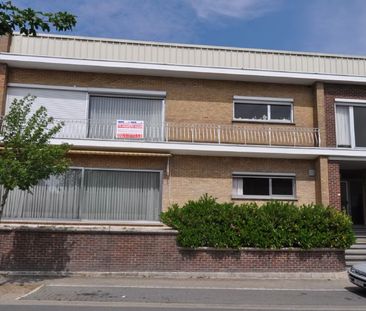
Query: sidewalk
point(186, 275)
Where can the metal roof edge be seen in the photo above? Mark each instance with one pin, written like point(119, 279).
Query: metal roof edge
point(196, 46)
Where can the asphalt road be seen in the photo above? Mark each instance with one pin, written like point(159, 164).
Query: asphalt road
point(62, 297)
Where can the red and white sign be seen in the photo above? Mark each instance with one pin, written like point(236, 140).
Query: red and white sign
point(130, 129)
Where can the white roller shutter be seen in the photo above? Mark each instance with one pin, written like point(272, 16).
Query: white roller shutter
point(68, 105)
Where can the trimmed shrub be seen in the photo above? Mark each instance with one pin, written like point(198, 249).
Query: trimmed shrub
point(273, 225)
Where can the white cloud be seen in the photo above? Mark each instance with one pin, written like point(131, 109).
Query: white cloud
point(243, 9)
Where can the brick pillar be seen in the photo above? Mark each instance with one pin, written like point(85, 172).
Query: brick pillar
point(3, 85)
point(334, 176)
point(322, 181)
point(5, 42)
point(4, 47)
point(319, 112)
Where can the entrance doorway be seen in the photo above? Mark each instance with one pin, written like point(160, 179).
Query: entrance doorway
point(352, 200)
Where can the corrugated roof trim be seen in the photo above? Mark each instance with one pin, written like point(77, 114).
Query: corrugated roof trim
point(188, 55)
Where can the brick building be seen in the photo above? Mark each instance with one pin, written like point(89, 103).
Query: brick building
point(152, 124)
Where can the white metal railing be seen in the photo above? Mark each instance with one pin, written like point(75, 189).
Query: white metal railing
point(196, 133)
point(242, 135)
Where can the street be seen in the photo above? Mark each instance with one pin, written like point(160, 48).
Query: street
point(64, 294)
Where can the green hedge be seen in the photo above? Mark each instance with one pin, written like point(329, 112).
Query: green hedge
point(273, 225)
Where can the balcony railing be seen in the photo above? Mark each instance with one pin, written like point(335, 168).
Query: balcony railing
point(195, 133)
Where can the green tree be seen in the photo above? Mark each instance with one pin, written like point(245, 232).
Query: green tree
point(27, 156)
point(29, 21)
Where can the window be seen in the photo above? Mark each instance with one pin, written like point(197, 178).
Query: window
point(104, 111)
point(263, 186)
point(263, 109)
point(91, 194)
point(350, 124)
point(93, 113)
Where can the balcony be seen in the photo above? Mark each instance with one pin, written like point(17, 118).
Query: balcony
point(195, 133)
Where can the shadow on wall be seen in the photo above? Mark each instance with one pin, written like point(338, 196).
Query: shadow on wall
point(35, 251)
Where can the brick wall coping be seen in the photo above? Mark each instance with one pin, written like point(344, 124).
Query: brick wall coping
point(146, 230)
point(88, 228)
point(243, 249)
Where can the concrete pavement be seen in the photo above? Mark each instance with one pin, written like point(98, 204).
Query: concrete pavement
point(110, 293)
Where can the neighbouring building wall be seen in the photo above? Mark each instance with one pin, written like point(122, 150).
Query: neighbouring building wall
point(4, 47)
point(188, 100)
point(333, 91)
point(192, 176)
point(5, 43)
point(3, 86)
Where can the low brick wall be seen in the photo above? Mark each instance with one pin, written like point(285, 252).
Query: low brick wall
point(35, 249)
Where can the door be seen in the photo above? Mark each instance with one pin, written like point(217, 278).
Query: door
point(352, 200)
point(345, 197)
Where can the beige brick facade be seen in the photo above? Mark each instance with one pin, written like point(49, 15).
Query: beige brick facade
point(188, 100)
point(322, 179)
point(320, 114)
point(189, 177)
point(193, 176)
point(197, 101)
point(184, 176)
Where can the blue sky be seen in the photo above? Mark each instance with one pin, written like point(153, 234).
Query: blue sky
point(330, 26)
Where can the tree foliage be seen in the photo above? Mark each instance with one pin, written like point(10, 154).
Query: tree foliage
point(29, 21)
point(27, 155)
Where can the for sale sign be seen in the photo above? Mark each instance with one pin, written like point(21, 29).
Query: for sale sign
point(130, 129)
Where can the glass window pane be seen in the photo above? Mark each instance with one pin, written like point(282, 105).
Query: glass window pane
point(255, 186)
point(343, 130)
point(105, 111)
point(251, 111)
point(281, 112)
point(121, 195)
point(53, 198)
point(360, 132)
point(282, 186)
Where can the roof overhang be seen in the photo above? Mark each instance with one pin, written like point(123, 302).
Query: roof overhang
point(166, 70)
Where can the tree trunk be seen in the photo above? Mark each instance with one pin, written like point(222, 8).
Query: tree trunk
point(3, 201)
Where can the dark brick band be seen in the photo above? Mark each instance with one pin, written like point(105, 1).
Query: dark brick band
point(32, 250)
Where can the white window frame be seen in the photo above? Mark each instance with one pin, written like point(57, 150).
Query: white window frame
point(350, 103)
point(268, 101)
point(270, 176)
